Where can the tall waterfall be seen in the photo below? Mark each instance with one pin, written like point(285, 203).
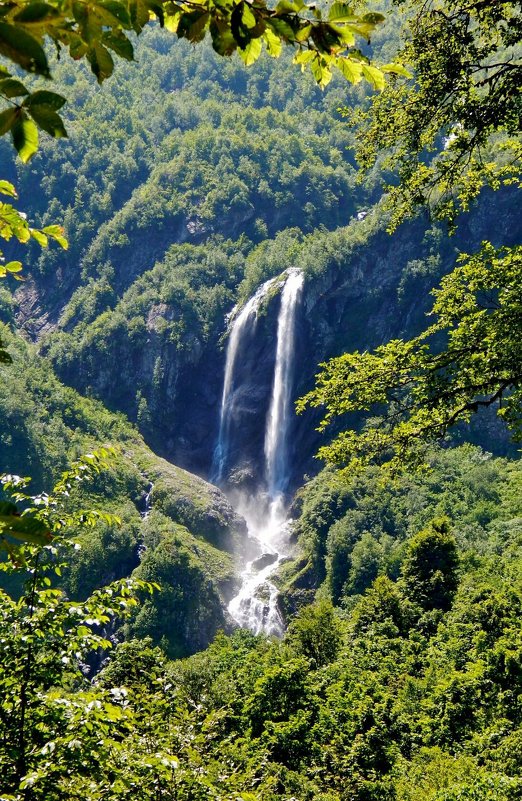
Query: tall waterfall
point(244, 320)
point(255, 606)
point(276, 435)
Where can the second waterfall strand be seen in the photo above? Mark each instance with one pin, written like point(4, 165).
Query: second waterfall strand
point(255, 606)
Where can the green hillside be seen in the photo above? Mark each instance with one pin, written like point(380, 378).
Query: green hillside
point(186, 541)
point(226, 254)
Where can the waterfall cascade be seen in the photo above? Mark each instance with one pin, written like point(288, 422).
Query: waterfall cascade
point(241, 323)
point(255, 606)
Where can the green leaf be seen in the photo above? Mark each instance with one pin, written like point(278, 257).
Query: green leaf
point(23, 49)
point(77, 47)
point(303, 33)
point(44, 98)
point(397, 69)
point(40, 237)
point(373, 18)
point(25, 138)
point(282, 29)
point(139, 14)
point(251, 52)
point(222, 40)
point(7, 188)
point(13, 266)
point(10, 87)
point(374, 76)
point(116, 10)
point(321, 71)
point(7, 120)
point(35, 12)
point(56, 233)
point(352, 70)
point(340, 12)
point(120, 44)
point(101, 62)
point(48, 120)
point(273, 43)
point(193, 26)
point(172, 21)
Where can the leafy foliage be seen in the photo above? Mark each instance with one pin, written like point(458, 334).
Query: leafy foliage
point(14, 223)
point(464, 106)
point(387, 700)
point(96, 31)
point(49, 637)
point(465, 103)
point(468, 358)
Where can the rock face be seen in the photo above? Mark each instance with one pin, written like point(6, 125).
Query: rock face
point(264, 560)
point(200, 507)
point(190, 540)
point(369, 287)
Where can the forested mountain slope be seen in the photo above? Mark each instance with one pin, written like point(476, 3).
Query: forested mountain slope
point(175, 528)
point(195, 195)
point(186, 182)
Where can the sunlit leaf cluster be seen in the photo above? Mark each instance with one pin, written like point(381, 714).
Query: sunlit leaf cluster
point(456, 127)
point(414, 391)
point(100, 31)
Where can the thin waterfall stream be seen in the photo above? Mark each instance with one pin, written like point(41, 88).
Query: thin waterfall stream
point(244, 321)
point(255, 606)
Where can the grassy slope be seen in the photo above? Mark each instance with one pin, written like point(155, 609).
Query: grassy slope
point(45, 425)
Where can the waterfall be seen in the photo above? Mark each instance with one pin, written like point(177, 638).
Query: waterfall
point(147, 501)
point(255, 606)
point(147, 506)
point(241, 324)
point(276, 435)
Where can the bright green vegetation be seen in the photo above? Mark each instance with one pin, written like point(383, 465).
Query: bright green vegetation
point(185, 182)
point(93, 31)
point(447, 135)
point(187, 540)
point(426, 388)
point(410, 692)
point(350, 532)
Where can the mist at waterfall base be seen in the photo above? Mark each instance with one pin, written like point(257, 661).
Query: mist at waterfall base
point(255, 606)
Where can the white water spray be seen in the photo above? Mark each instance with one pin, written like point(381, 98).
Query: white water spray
point(255, 606)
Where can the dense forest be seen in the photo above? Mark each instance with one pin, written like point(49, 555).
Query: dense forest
point(261, 507)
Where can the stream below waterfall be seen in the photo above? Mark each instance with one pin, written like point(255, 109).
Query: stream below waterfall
point(255, 606)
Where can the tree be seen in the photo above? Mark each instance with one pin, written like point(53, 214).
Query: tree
point(50, 738)
point(469, 358)
point(429, 571)
point(100, 31)
point(96, 31)
point(316, 633)
point(464, 104)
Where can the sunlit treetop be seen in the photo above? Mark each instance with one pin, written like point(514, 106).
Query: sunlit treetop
point(456, 126)
point(102, 30)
